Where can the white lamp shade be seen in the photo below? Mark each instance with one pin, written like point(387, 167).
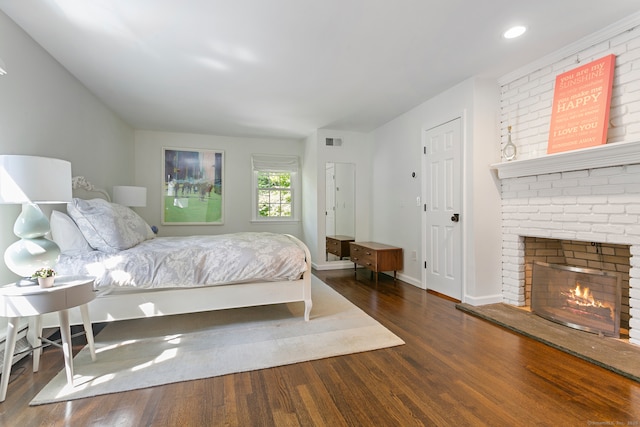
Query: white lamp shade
point(33, 179)
point(29, 180)
point(131, 196)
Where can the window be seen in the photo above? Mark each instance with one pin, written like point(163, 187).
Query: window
point(275, 186)
point(274, 194)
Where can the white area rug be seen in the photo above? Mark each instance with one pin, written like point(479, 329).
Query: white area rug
point(142, 353)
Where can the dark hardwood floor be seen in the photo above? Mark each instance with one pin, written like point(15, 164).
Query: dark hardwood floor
point(455, 369)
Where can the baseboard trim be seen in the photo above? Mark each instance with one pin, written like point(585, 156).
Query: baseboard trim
point(489, 299)
point(334, 265)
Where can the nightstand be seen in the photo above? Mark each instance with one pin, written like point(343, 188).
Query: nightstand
point(22, 301)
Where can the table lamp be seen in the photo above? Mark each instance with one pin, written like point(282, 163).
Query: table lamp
point(33, 180)
point(130, 196)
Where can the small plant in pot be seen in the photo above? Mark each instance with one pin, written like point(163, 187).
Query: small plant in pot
point(45, 277)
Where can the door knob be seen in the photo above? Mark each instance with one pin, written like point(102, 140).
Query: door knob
point(455, 217)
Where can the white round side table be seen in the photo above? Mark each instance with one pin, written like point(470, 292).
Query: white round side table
point(22, 301)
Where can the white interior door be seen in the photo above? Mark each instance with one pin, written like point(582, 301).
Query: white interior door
point(442, 240)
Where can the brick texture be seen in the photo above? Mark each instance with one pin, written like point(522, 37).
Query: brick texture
point(525, 104)
point(597, 205)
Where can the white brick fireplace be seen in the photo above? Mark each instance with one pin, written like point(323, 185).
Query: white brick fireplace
point(590, 195)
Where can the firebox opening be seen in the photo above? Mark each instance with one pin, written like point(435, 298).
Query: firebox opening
point(604, 257)
point(581, 298)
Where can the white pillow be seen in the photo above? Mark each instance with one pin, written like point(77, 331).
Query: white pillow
point(108, 227)
point(67, 235)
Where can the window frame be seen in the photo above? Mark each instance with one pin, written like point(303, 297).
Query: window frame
point(279, 164)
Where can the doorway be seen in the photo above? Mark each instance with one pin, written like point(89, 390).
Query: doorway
point(443, 219)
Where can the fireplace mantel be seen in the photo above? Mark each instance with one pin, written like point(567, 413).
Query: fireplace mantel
point(607, 155)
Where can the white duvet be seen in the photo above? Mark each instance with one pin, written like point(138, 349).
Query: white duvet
point(169, 262)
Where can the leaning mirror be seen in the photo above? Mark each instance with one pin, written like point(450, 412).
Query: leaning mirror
point(340, 209)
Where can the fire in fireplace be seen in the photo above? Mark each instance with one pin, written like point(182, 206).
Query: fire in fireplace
point(582, 298)
point(582, 302)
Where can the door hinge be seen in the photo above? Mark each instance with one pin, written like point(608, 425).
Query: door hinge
point(424, 150)
point(425, 207)
point(425, 265)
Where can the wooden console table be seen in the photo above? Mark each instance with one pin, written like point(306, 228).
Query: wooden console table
point(338, 245)
point(376, 257)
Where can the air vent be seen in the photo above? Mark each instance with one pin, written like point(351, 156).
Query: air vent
point(333, 142)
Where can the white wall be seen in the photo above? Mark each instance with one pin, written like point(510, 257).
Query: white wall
point(484, 265)
point(45, 111)
point(237, 179)
point(396, 216)
point(310, 209)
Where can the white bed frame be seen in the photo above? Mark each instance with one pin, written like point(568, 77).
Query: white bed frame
point(163, 302)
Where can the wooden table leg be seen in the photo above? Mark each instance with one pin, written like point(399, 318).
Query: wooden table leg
point(9, 347)
point(65, 333)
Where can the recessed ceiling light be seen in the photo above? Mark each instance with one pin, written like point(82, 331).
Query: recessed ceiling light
point(514, 32)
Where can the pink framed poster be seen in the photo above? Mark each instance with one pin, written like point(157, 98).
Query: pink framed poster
point(581, 102)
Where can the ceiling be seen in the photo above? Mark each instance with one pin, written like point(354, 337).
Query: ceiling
point(283, 68)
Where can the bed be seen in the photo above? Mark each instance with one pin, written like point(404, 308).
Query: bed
point(139, 275)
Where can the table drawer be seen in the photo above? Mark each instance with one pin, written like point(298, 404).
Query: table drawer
point(363, 256)
point(333, 246)
point(338, 245)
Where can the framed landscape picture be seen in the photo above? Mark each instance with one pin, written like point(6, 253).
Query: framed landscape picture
point(193, 186)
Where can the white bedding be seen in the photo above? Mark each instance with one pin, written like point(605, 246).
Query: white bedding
point(193, 261)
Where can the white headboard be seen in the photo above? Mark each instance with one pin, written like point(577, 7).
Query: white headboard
point(83, 189)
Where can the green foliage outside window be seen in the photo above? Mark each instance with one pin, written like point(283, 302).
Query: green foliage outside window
point(274, 194)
